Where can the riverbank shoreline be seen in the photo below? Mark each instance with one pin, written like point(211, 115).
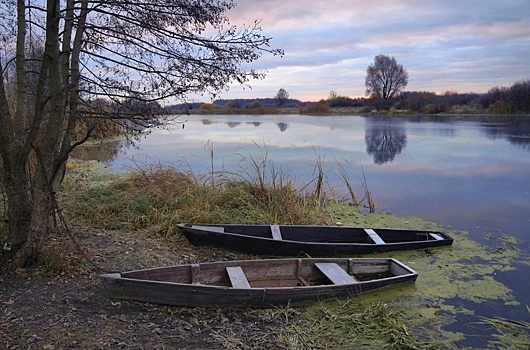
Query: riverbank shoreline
point(63, 304)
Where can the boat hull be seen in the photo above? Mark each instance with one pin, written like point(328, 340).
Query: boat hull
point(313, 241)
point(273, 282)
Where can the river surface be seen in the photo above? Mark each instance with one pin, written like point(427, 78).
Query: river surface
point(469, 175)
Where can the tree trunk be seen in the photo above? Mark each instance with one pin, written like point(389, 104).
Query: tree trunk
point(20, 203)
point(30, 194)
point(40, 223)
point(29, 215)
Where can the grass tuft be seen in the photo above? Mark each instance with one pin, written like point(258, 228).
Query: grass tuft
point(159, 197)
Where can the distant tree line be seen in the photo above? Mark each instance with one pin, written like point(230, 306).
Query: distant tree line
point(238, 103)
point(498, 100)
point(513, 99)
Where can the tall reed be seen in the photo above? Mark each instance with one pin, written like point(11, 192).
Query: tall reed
point(368, 194)
point(344, 175)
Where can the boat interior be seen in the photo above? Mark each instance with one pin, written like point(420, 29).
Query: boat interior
point(275, 272)
point(327, 234)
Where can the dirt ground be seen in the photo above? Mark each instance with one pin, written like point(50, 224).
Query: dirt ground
point(69, 309)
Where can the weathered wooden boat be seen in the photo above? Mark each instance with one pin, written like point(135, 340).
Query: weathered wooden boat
point(311, 240)
point(257, 283)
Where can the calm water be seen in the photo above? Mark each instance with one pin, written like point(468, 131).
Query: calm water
point(471, 175)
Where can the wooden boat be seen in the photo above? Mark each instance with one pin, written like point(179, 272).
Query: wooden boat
point(257, 283)
point(311, 240)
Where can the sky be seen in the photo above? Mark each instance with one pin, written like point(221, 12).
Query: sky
point(458, 45)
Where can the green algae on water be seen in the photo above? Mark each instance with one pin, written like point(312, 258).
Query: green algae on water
point(464, 272)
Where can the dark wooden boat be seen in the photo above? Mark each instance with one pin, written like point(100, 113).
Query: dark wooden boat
point(257, 283)
point(311, 240)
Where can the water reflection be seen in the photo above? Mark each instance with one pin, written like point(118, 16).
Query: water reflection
point(384, 140)
point(517, 132)
point(282, 126)
point(233, 124)
point(104, 152)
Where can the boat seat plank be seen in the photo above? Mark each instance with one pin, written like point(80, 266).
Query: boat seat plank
point(436, 236)
point(335, 273)
point(237, 277)
point(219, 229)
point(194, 269)
point(276, 234)
point(374, 236)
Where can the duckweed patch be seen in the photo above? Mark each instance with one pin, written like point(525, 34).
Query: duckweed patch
point(451, 280)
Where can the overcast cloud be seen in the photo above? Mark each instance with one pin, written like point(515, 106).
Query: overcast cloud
point(462, 45)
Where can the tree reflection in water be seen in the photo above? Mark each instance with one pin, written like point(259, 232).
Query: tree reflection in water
point(516, 130)
point(282, 126)
point(102, 152)
point(233, 124)
point(385, 141)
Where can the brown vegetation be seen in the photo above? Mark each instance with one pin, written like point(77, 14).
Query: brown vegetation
point(232, 107)
point(321, 107)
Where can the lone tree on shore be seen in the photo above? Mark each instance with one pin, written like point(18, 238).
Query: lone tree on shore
point(61, 58)
point(282, 96)
point(385, 78)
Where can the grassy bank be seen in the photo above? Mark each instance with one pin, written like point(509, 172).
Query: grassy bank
point(159, 198)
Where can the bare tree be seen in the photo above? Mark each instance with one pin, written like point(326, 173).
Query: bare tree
point(385, 78)
point(282, 96)
point(58, 58)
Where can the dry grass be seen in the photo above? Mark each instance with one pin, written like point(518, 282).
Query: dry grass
point(160, 197)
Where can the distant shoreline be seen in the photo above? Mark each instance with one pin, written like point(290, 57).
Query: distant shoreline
point(345, 111)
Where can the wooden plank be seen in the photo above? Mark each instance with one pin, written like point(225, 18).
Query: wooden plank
point(219, 229)
point(237, 277)
point(335, 273)
point(276, 234)
point(374, 236)
point(436, 236)
point(195, 270)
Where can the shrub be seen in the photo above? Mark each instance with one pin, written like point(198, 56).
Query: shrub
point(519, 96)
point(500, 107)
point(344, 101)
point(434, 108)
point(208, 107)
point(320, 107)
point(254, 104)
